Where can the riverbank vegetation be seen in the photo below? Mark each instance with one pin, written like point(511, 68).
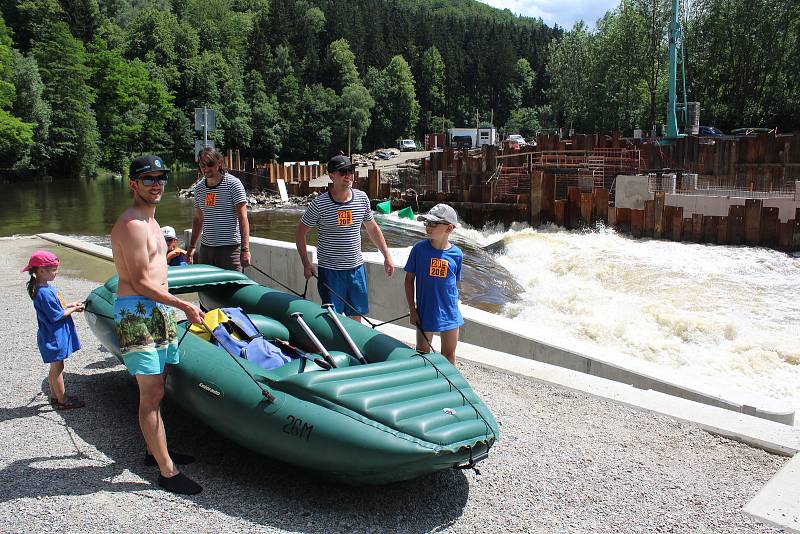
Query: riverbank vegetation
point(94, 82)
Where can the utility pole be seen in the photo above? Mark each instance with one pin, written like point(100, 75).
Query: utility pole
point(205, 126)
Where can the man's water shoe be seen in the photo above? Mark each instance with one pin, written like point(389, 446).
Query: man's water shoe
point(179, 483)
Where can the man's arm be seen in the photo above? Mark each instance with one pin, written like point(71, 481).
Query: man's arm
point(136, 259)
point(244, 229)
point(376, 236)
point(302, 249)
point(197, 229)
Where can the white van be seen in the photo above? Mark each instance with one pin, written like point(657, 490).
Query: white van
point(407, 145)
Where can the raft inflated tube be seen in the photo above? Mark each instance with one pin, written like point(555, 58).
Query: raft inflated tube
point(407, 212)
point(384, 207)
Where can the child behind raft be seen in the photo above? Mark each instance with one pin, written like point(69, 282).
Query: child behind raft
point(57, 337)
point(176, 256)
point(434, 266)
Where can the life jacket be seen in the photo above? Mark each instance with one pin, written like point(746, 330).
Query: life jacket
point(236, 333)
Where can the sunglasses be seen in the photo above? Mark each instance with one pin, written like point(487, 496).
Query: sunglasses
point(207, 164)
point(147, 182)
point(433, 223)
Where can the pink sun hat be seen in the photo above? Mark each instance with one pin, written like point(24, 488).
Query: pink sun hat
point(40, 258)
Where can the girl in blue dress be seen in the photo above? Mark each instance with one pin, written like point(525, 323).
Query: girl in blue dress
point(57, 337)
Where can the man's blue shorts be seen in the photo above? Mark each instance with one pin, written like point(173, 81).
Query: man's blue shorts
point(348, 290)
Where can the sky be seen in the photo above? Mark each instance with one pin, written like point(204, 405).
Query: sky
point(565, 13)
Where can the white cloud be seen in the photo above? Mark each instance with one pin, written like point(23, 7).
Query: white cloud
point(565, 13)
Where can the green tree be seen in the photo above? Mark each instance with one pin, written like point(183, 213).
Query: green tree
point(73, 131)
point(397, 109)
point(318, 106)
point(15, 135)
point(132, 109)
point(622, 70)
point(266, 120)
point(524, 121)
point(31, 107)
point(353, 117)
point(431, 89)
point(571, 69)
point(340, 66)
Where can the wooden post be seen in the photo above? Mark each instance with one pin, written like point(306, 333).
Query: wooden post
point(768, 232)
point(637, 222)
point(573, 207)
point(785, 235)
point(373, 182)
point(710, 228)
point(686, 233)
point(649, 218)
point(586, 209)
point(600, 204)
point(736, 224)
point(536, 178)
point(722, 231)
point(658, 212)
point(677, 223)
point(624, 219)
point(560, 212)
point(697, 227)
point(752, 221)
point(795, 244)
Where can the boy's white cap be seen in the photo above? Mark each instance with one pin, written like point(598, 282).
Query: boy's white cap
point(440, 213)
point(169, 232)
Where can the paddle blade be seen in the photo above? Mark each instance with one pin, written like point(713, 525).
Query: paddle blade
point(384, 207)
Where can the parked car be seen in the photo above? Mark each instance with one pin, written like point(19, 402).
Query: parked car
point(515, 142)
point(407, 145)
point(461, 141)
point(710, 131)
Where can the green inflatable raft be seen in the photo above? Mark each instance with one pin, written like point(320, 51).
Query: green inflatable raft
point(394, 415)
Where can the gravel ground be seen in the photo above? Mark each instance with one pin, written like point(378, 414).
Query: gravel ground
point(565, 462)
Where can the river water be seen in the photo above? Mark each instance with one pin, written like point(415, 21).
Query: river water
point(726, 315)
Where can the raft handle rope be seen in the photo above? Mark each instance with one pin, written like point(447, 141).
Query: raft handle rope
point(464, 397)
point(302, 296)
point(371, 324)
point(345, 335)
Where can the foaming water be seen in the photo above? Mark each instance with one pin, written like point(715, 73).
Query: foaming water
point(730, 315)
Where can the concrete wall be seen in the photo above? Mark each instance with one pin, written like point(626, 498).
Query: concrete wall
point(631, 192)
point(718, 205)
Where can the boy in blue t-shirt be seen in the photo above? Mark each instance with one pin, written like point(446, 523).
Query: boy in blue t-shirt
point(434, 266)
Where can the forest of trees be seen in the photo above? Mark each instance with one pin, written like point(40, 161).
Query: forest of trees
point(89, 84)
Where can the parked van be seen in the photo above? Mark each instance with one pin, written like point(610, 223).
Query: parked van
point(407, 145)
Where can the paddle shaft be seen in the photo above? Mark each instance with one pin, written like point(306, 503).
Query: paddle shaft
point(345, 334)
point(297, 316)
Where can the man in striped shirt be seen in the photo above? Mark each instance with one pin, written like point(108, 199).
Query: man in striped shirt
point(220, 213)
point(339, 214)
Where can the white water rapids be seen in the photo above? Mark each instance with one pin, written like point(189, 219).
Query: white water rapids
point(727, 315)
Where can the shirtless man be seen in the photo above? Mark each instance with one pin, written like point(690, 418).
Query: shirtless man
point(144, 314)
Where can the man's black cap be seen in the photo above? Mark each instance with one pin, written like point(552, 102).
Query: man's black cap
point(340, 163)
point(146, 163)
